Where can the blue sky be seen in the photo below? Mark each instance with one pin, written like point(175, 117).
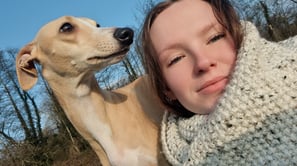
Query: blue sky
point(21, 19)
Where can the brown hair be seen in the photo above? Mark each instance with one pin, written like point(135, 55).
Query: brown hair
point(226, 16)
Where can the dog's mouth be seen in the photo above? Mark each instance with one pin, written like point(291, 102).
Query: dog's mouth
point(122, 52)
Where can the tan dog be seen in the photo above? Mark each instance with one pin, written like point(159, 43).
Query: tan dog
point(121, 125)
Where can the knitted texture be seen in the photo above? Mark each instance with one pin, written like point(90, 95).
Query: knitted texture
point(255, 120)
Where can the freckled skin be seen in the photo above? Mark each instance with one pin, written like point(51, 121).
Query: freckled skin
point(196, 60)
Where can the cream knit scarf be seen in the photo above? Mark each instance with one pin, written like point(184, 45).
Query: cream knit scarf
point(254, 122)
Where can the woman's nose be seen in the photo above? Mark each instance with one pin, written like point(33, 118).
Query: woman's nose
point(203, 63)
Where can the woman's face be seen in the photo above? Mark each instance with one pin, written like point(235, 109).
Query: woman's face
point(196, 54)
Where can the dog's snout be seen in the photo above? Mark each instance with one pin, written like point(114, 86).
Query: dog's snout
point(124, 35)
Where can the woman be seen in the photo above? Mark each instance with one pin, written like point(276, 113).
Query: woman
point(231, 95)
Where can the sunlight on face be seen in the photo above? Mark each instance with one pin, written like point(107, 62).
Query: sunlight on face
point(195, 52)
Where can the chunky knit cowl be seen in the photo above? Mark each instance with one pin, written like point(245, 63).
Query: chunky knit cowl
point(255, 120)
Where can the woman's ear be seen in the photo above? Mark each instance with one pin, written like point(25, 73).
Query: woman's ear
point(169, 94)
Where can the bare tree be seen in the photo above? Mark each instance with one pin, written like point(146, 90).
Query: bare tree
point(275, 19)
point(19, 103)
point(120, 74)
point(133, 66)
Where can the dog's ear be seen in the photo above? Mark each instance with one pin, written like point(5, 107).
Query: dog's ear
point(25, 68)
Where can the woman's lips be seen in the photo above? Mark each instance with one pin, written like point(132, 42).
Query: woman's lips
point(215, 85)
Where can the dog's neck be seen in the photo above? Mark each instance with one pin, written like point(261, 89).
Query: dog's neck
point(79, 96)
point(75, 93)
point(75, 86)
point(84, 104)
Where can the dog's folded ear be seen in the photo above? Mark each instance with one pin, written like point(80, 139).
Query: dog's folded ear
point(25, 68)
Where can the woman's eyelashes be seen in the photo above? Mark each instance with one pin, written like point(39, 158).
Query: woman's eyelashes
point(213, 39)
point(175, 60)
point(216, 38)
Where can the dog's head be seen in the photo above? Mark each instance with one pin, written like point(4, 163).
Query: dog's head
point(71, 46)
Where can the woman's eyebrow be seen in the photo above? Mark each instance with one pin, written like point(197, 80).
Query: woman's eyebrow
point(207, 28)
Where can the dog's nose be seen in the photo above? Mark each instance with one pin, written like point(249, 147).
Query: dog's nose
point(124, 35)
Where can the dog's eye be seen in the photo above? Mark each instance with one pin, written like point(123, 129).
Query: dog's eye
point(97, 25)
point(66, 27)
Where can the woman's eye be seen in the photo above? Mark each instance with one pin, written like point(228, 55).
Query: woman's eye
point(175, 60)
point(216, 38)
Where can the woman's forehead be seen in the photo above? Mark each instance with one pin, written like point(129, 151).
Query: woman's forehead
point(181, 19)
